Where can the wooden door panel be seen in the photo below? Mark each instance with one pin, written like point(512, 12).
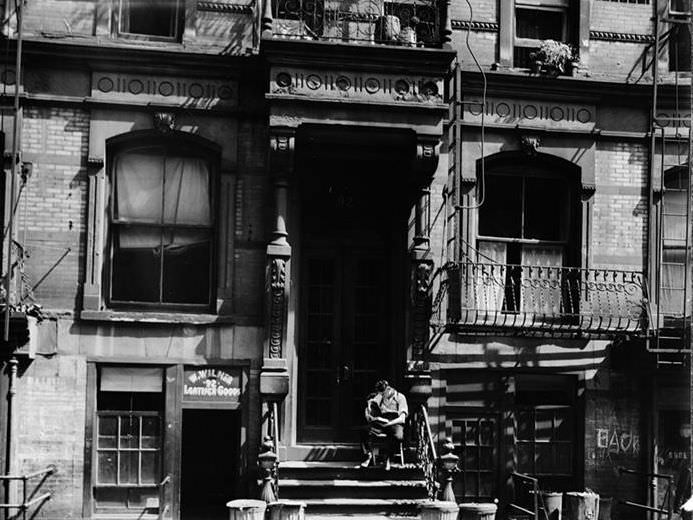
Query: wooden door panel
point(344, 339)
point(320, 346)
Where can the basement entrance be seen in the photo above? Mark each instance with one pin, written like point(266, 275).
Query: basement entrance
point(356, 192)
point(209, 469)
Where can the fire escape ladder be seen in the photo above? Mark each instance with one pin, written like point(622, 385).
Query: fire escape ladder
point(671, 178)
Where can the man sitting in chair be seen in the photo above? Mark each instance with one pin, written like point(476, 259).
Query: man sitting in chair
point(386, 412)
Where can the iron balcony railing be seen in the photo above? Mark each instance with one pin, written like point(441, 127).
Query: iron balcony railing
point(546, 299)
point(412, 23)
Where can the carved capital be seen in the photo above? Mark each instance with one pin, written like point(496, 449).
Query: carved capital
point(282, 144)
point(427, 155)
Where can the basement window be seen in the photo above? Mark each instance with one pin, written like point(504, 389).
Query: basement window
point(150, 19)
point(128, 439)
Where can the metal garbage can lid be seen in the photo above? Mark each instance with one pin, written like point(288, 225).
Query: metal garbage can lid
point(441, 505)
point(246, 504)
point(478, 507)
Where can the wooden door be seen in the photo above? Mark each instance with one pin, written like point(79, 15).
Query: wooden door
point(344, 339)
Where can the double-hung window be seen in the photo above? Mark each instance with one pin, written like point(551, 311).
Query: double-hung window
point(150, 19)
point(525, 231)
point(537, 20)
point(162, 211)
point(674, 231)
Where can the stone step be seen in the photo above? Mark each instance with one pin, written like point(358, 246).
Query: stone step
point(299, 489)
point(340, 470)
point(362, 507)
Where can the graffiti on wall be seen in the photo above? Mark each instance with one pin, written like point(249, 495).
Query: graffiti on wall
point(614, 441)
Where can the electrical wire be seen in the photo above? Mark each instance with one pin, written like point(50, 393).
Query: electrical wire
point(482, 183)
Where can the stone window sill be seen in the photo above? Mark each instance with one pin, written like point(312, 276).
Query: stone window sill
point(156, 317)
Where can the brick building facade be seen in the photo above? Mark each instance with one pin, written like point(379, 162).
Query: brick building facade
point(239, 216)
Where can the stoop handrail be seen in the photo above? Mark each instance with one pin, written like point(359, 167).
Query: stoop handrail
point(426, 456)
point(29, 499)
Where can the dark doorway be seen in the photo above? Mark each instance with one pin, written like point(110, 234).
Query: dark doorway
point(356, 193)
point(209, 470)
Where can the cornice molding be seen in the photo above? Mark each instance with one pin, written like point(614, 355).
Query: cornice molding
point(621, 37)
point(225, 7)
point(475, 25)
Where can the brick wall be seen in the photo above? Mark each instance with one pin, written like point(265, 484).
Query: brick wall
point(51, 214)
point(483, 10)
point(619, 226)
point(621, 17)
point(614, 437)
point(49, 429)
point(621, 60)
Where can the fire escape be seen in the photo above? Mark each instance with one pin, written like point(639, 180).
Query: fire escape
point(670, 194)
point(487, 296)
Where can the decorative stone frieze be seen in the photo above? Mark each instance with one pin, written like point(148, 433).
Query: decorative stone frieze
point(514, 112)
point(165, 90)
point(383, 88)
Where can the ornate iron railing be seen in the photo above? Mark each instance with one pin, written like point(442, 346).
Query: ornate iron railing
point(413, 23)
point(552, 299)
point(426, 457)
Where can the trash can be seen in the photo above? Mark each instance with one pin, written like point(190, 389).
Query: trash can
point(286, 510)
point(581, 505)
point(553, 504)
point(477, 511)
point(246, 509)
point(605, 508)
point(439, 510)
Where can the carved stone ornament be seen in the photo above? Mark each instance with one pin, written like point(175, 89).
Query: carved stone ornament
point(530, 144)
point(421, 308)
point(587, 190)
point(277, 304)
point(164, 121)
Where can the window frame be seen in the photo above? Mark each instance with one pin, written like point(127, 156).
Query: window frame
point(576, 26)
point(120, 415)
point(179, 23)
point(679, 174)
point(560, 6)
point(563, 396)
point(461, 446)
point(92, 486)
point(179, 144)
point(513, 299)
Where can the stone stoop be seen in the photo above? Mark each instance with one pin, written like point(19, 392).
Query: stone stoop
point(344, 490)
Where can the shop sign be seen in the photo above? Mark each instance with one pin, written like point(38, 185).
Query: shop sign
point(212, 385)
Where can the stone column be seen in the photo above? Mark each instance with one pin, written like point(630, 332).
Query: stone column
point(421, 261)
point(274, 377)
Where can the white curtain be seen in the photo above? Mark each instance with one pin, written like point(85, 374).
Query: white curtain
point(541, 279)
point(672, 273)
point(490, 276)
point(153, 189)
